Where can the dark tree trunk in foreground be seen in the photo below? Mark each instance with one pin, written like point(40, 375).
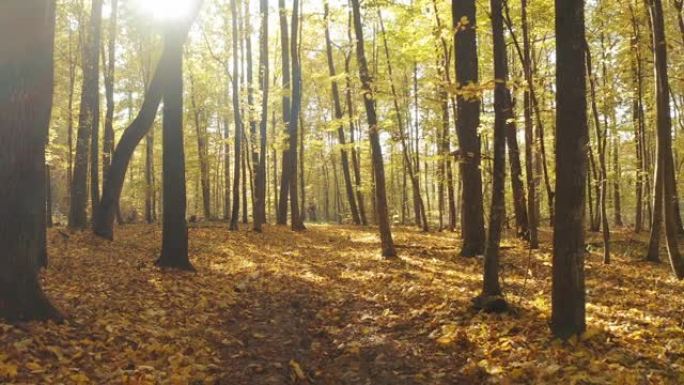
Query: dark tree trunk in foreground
point(235, 211)
point(174, 252)
point(491, 299)
point(296, 222)
point(344, 155)
point(106, 212)
point(285, 63)
point(665, 164)
point(87, 124)
point(382, 213)
point(25, 105)
point(264, 74)
point(473, 232)
point(568, 296)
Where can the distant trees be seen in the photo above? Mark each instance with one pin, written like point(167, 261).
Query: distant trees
point(88, 126)
point(26, 69)
point(572, 140)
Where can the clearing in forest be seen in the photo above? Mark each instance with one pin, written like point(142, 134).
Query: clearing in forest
point(321, 307)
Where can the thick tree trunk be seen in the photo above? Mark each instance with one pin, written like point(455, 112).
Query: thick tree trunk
point(568, 294)
point(468, 121)
point(87, 123)
point(174, 253)
point(25, 105)
point(382, 214)
point(93, 53)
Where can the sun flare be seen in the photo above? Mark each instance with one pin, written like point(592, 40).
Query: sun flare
point(164, 9)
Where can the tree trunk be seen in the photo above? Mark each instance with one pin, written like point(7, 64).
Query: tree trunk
point(296, 222)
point(260, 182)
point(110, 61)
point(519, 201)
point(235, 211)
point(467, 126)
point(149, 177)
point(638, 120)
point(568, 294)
point(174, 252)
point(601, 142)
point(202, 150)
point(87, 124)
point(665, 164)
point(25, 105)
point(93, 53)
point(285, 58)
point(344, 156)
point(388, 250)
point(103, 224)
point(490, 299)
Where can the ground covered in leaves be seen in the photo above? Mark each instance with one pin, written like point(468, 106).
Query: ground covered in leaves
point(321, 307)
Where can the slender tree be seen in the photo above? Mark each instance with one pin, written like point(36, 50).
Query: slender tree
point(388, 250)
point(296, 221)
point(264, 74)
point(26, 68)
point(285, 73)
point(88, 122)
point(235, 211)
point(572, 141)
point(665, 163)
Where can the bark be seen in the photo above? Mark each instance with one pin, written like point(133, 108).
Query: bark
point(235, 211)
point(665, 165)
point(25, 106)
point(568, 293)
point(94, 52)
point(468, 100)
point(388, 250)
point(260, 182)
point(87, 124)
point(149, 177)
point(490, 299)
point(174, 253)
point(638, 121)
point(296, 222)
point(103, 223)
point(110, 67)
point(285, 58)
point(519, 201)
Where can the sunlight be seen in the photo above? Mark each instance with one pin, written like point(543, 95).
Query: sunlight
point(164, 9)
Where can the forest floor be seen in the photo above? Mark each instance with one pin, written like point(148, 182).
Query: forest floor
point(321, 307)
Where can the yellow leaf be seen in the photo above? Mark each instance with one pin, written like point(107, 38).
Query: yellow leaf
point(8, 370)
point(297, 369)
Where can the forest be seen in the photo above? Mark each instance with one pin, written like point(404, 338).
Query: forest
point(342, 192)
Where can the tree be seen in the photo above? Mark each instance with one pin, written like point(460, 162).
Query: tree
point(285, 64)
point(103, 223)
point(572, 140)
point(26, 67)
point(665, 164)
point(260, 182)
point(468, 121)
point(382, 214)
point(235, 211)
point(491, 299)
point(296, 221)
point(339, 116)
point(109, 61)
point(174, 252)
point(88, 124)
